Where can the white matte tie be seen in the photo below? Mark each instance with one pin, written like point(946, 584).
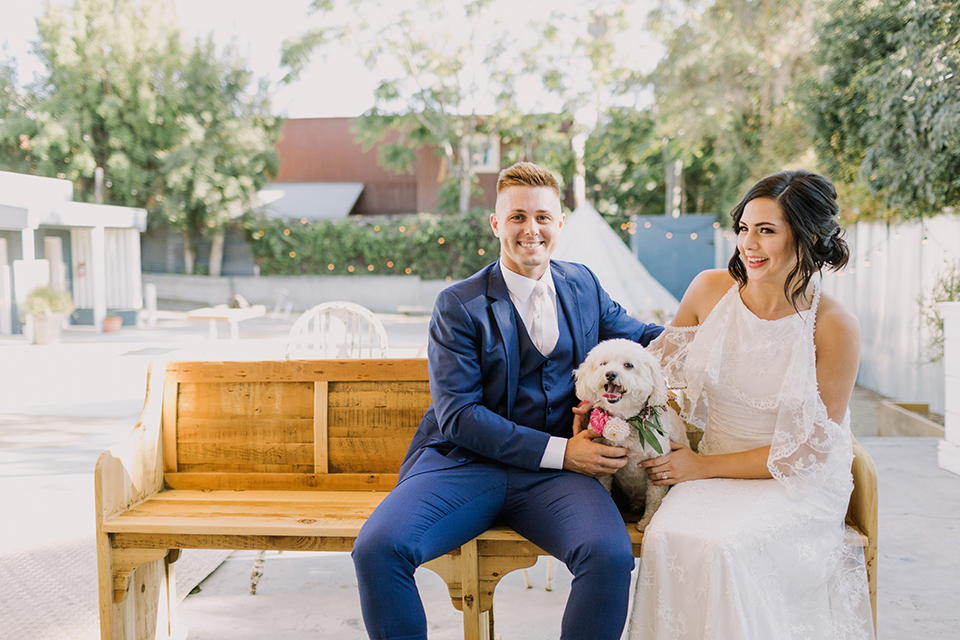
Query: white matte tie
point(546, 330)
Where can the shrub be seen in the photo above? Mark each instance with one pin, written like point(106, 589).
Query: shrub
point(432, 246)
point(43, 301)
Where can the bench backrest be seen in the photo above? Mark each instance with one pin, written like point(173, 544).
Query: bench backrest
point(290, 424)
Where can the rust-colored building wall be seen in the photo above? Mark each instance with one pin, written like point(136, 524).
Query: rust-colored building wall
point(325, 150)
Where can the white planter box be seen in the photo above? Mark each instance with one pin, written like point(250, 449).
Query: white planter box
point(948, 453)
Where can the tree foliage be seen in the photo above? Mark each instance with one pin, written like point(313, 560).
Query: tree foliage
point(225, 147)
point(725, 86)
point(174, 128)
point(435, 57)
point(886, 113)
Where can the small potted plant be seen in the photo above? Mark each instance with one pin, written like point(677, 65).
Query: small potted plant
point(47, 306)
point(112, 323)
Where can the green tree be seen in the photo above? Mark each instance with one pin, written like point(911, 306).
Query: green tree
point(886, 114)
point(175, 129)
point(437, 61)
point(14, 155)
point(725, 85)
point(102, 102)
point(225, 150)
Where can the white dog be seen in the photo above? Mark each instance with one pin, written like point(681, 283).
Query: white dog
point(625, 385)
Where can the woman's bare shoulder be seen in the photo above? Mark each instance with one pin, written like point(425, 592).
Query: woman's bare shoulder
point(836, 325)
point(702, 296)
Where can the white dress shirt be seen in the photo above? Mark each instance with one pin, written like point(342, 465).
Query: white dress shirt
point(521, 293)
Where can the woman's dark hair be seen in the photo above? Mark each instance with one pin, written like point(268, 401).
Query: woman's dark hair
point(809, 205)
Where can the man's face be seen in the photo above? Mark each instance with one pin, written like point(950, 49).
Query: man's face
point(528, 222)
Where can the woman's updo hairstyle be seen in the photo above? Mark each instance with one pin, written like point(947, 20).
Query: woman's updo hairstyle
point(809, 205)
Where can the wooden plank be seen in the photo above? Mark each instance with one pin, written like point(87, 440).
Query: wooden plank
point(374, 429)
point(246, 399)
point(300, 370)
point(169, 420)
point(191, 541)
point(221, 454)
point(373, 455)
point(381, 394)
point(470, 577)
point(320, 452)
point(250, 468)
point(404, 421)
point(282, 481)
point(245, 429)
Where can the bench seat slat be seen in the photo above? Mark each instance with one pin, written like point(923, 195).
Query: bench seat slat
point(293, 513)
point(281, 481)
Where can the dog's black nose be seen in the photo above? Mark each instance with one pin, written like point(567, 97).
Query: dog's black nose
point(611, 376)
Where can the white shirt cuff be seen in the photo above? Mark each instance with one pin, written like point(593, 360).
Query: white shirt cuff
point(554, 453)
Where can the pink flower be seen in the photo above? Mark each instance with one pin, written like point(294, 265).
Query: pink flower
point(598, 418)
point(616, 430)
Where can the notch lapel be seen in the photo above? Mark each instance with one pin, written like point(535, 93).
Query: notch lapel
point(505, 318)
point(568, 296)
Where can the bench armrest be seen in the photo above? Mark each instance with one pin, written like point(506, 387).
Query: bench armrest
point(131, 471)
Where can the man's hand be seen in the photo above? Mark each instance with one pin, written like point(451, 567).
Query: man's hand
point(581, 418)
point(590, 458)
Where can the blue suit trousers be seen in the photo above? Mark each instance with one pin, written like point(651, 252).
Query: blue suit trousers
point(567, 514)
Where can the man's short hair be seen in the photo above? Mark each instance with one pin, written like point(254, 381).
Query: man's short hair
point(527, 174)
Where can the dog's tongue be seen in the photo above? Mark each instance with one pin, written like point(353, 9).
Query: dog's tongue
point(612, 396)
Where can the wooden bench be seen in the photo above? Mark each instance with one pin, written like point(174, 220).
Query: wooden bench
point(289, 455)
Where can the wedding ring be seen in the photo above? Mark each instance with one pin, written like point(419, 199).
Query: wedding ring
point(663, 476)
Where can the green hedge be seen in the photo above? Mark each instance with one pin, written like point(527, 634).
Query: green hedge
point(432, 246)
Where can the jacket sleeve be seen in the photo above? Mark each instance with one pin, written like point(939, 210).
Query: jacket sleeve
point(467, 376)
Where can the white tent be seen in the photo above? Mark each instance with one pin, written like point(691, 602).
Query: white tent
point(589, 240)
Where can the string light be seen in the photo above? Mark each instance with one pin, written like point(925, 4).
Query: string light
point(402, 228)
point(481, 252)
point(376, 228)
point(693, 236)
point(440, 240)
point(303, 221)
point(408, 270)
point(293, 254)
point(350, 268)
point(369, 267)
point(286, 232)
point(669, 235)
point(390, 264)
point(330, 267)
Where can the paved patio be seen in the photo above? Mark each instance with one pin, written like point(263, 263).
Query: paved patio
point(61, 405)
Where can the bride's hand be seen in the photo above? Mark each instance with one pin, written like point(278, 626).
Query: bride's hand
point(680, 465)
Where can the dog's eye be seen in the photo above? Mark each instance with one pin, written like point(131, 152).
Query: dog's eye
point(603, 364)
point(628, 365)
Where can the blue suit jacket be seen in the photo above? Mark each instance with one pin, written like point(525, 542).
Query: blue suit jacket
point(474, 365)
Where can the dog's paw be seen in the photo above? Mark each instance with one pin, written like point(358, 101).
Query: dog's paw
point(642, 524)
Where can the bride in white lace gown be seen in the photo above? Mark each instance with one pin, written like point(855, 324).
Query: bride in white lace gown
point(749, 542)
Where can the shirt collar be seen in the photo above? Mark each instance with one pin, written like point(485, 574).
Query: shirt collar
point(521, 287)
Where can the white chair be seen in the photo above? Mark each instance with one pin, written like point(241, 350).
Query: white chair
point(337, 330)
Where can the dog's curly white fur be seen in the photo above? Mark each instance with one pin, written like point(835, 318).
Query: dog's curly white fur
point(622, 378)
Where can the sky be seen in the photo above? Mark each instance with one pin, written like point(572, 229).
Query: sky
point(336, 85)
point(256, 27)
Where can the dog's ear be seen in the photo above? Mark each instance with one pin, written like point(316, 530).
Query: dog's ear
point(659, 395)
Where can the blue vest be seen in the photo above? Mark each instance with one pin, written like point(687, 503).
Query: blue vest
point(546, 391)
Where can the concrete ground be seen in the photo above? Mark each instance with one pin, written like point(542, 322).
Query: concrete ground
point(61, 405)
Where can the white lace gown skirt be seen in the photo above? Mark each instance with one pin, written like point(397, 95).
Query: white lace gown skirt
point(730, 559)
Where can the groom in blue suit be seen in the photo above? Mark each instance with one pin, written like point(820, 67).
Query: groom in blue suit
point(497, 445)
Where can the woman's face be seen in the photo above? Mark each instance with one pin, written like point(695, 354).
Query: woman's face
point(765, 242)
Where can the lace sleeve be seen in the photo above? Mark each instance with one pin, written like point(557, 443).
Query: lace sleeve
point(809, 451)
point(673, 348)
